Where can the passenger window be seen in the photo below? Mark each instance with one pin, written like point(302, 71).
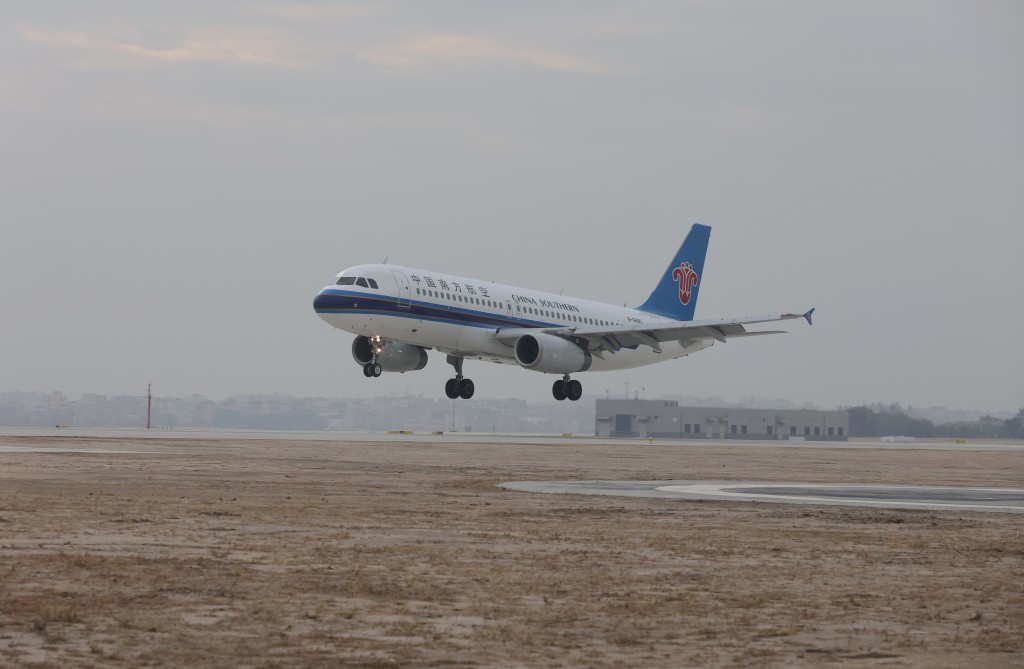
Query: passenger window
point(362, 282)
point(346, 281)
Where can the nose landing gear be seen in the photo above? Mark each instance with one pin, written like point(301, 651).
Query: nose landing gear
point(566, 388)
point(372, 368)
point(459, 386)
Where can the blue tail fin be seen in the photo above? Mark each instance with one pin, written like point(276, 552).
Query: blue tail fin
point(675, 296)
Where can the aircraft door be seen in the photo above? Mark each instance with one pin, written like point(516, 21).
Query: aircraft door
point(404, 290)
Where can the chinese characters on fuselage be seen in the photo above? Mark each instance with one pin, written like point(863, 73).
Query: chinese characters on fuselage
point(455, 287)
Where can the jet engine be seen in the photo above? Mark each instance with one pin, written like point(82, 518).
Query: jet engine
point(392, 356)
point(551, 354)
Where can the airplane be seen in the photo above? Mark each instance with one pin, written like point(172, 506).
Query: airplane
point(399, 313)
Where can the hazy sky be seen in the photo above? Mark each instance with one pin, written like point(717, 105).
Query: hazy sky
point(179, 179)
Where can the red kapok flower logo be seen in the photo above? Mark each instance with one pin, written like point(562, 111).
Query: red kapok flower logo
point(687, 279)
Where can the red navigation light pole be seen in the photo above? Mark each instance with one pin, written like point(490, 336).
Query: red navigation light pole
point(149, 403)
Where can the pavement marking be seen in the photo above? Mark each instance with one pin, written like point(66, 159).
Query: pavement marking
point(937, 498)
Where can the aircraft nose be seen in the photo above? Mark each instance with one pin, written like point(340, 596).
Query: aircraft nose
point(321, 301)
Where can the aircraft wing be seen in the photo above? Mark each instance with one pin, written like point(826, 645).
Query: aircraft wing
point(611, 339)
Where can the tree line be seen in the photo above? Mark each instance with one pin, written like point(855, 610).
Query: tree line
point(893, 421)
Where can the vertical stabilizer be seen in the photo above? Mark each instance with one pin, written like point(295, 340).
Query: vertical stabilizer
point(675, 296)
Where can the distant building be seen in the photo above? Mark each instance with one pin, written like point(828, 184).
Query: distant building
point(666, 419)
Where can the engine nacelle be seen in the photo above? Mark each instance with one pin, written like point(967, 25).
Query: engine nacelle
point(551, 354)
point(393, 356)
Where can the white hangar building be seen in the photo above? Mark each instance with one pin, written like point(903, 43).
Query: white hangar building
point(666, 419)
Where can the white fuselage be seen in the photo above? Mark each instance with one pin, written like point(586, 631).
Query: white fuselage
point(461, 316)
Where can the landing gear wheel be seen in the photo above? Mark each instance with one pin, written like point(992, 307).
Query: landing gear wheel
point(366, 370)
point(458, 387)
point(451, 389)
point(573, 390)
point(558, 390)
point(375, 369)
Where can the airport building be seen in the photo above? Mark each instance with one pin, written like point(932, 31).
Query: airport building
point(666, 419)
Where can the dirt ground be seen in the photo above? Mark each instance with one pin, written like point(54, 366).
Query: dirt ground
point(221, 553)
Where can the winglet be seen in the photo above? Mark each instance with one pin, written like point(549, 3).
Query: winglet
point(807, 316)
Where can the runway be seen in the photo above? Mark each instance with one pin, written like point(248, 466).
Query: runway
point(100, 451)
point(493, 438)
point(1004, 500)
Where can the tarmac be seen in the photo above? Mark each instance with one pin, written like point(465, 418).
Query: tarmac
point(1005, 500)
point(488, 438)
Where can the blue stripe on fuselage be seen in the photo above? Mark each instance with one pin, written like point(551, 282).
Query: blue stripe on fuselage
point(335, 301)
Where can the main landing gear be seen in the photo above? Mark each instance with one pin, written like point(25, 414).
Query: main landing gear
point(459, 386)
point(566, 388)
point(372, 369)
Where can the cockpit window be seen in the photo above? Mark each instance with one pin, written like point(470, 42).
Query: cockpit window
point(346, 281)
point(373, 284)
point(362, 282)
